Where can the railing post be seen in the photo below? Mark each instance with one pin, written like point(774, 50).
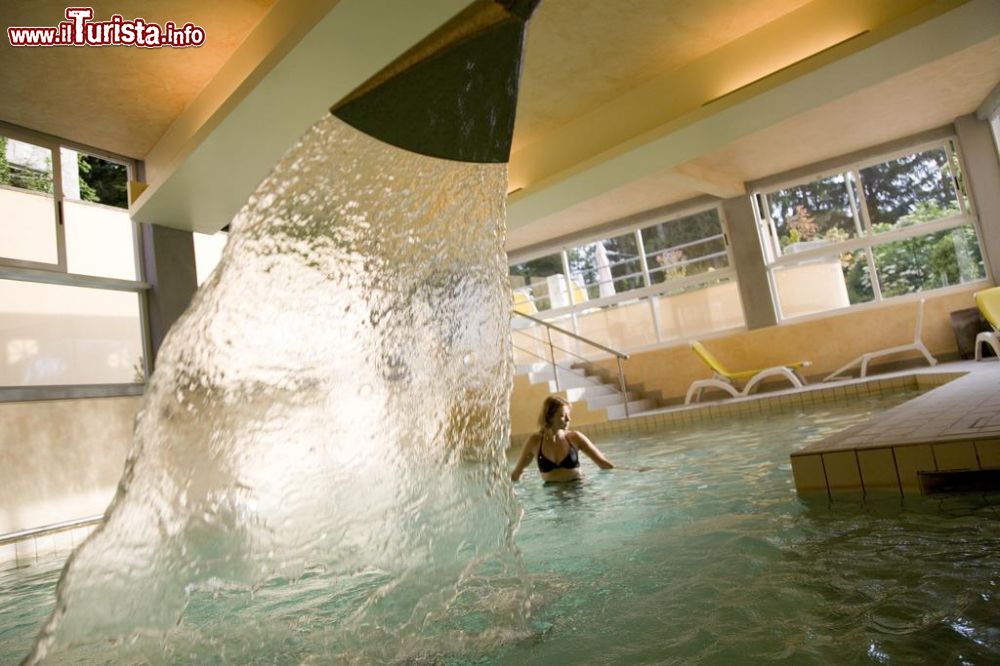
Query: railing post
point(621, 383)
point(552, 355)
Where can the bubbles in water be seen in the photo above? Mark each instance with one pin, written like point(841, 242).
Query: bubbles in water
point(319, 463)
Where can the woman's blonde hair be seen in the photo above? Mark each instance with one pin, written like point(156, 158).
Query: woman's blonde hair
point(551, 405)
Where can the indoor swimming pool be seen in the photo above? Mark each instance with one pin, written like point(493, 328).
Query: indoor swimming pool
point(709, 557)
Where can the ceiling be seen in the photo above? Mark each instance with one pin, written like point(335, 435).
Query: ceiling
point(119, 99)
point(623, 104)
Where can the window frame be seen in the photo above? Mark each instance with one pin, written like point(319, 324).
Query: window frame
point(650, 291)
point(58, 274)
point(868, 239)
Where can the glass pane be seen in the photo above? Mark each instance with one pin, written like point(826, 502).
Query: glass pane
point(25, 166)
point(698, 311)
point(686, 246)
point(531, 341)
point(813, 214)
point(935, 260)
point(909, 190)
point(58, 335)
point(207, 253)
point(27, 226)
point(94, 179)
point(823, 284)
point(27, 208)
point(605, 268)
point(539, 284)
point(622, 326)
point(100, 240)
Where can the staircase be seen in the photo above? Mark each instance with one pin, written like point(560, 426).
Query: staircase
point(590, 388)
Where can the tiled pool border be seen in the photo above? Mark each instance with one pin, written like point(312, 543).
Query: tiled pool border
point(771, 403)
point(835, 466)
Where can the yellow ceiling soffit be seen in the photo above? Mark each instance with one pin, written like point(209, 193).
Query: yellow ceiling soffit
point(211, 160)
point(575, 162)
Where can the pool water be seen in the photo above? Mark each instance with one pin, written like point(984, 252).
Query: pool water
point(712, 558)
point(709, 557)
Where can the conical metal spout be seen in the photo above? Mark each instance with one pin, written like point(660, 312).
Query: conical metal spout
point(453, 95)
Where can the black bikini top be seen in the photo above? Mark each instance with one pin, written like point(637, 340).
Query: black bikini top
point(571, 461)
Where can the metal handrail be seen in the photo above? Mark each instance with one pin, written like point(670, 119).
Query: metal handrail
point(554, 346)
point(571, 334)
point(619, 355)
point(21, 535)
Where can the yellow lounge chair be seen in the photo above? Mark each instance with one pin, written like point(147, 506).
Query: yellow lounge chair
point(917, 345)
point(726, 379)
point(523, 303)
point(988, 302)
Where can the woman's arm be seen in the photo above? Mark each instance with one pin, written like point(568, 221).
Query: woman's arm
point(592, 451)
point(527, 453)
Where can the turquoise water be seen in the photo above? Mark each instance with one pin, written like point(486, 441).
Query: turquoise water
point(708, 558)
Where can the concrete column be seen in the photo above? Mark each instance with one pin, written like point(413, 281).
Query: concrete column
point(170, 270)
point(982, 169)
point(758, 306)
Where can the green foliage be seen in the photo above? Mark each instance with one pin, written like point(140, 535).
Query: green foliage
point(25, 178)
point(4, 166)
point(898, 188)
point(87, 192)
point(102, 181)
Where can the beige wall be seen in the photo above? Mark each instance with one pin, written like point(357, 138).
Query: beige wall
point(61, 458)
point(828, 342)
point(526, 402)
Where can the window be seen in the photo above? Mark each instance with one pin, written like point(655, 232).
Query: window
point(875, 230)
point(70, 278)
point(685, 246)
point(539, 284)
point(644, 286)
point(605, 267)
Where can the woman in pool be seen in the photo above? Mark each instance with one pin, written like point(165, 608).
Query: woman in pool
point(555, 448)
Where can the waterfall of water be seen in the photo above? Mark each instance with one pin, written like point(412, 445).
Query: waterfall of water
point(318, 469)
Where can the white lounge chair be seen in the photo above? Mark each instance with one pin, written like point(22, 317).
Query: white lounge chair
point(865, 359)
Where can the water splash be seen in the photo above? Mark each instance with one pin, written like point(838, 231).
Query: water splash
point(318, 467)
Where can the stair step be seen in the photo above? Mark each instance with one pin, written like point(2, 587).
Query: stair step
point(592, 393)
point(609, 400)
point(566, 379)
point(635, 407)
point(539, 366)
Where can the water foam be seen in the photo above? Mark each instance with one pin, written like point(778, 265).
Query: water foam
point(318, 469)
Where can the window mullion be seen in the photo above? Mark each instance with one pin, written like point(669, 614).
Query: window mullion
point(960, 194)
point(873, 275)
point(854, 194)
point(642, 258)
point(774, 247)
point(862, 204)
point(57, 197)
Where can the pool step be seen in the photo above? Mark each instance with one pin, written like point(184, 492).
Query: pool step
point(594, 389)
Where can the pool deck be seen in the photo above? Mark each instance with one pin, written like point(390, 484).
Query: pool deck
point(952, 428)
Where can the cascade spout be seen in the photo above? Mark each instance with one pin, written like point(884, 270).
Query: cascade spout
point(454, 94)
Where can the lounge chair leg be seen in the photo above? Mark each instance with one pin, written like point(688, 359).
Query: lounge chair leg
point(773, 372)
point(923, 350)
point(987, 338)
point(694, 392)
